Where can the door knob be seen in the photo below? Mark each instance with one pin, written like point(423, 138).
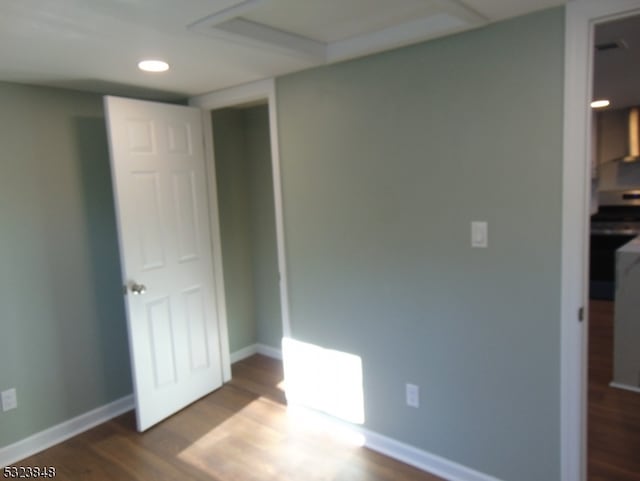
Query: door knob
point(138, 289)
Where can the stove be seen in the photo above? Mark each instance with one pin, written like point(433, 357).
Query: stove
point(616, 223)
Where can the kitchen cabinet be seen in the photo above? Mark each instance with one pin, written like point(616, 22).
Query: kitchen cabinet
point(626, 348)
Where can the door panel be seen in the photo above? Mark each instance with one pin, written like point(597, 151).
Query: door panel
point(197, 328)
point(148, 219)
point(185, 200)
point(158, 169)
point(140, 136)
point(179, 136)
point(161, 342)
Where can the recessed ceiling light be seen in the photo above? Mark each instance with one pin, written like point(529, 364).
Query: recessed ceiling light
point(599, 104)
point(153, 65)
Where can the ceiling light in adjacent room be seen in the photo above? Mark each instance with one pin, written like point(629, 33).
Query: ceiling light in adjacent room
point(600, 104)
point(153, 66)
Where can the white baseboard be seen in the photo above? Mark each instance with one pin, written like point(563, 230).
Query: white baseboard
point(249, 351)
point(63, 431)
point(244, 353)
point(626, 387)
point(269, 351)
point(422, 460)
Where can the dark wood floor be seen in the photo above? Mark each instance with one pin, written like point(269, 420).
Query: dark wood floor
point(614, 414)
point(241, 432)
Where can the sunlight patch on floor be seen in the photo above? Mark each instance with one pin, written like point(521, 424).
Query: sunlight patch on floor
point(318, 422)
point(324, 391)
point(276, 442)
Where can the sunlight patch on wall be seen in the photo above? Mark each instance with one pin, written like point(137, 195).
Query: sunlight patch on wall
point(326, 380)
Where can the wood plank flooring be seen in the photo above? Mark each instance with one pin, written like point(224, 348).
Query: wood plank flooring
point(242, 432)
point(614, 414)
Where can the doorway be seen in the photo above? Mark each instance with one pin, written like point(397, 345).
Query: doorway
point(613, 400)
point(581, 18)
point(244, 178)
point(250, 104)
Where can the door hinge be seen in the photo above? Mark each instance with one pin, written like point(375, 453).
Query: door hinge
point(581, 314)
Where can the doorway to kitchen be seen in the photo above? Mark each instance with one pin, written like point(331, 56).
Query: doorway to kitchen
point(613, 371)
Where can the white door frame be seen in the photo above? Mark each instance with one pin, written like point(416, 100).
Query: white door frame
point(581, 16)
point(233, 96)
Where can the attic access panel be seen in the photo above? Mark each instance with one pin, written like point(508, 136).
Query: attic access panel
point(333, 30)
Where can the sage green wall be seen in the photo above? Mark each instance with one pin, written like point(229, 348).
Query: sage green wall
point(235, 225)
point(264, 253)
point(385, 162)
point(62, 321)
point(247, 224)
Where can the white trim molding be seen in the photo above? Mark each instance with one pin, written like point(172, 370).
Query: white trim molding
point(581, 16)
point(216, 248)
point(423, 460)
point(50, 437)
point(244, 353)
point(269, 351)
point(244, 94)
point(249, 351)
point(392, 448)
point(238, 95)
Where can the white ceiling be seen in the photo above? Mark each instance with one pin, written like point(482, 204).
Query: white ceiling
point(211, 44)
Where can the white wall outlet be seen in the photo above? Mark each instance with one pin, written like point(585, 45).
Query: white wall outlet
point(479, 234)
point(9, 399)
point(413, 395)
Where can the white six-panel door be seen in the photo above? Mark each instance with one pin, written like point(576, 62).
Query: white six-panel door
point(158, 171)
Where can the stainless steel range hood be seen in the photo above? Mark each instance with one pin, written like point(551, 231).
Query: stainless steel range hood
point(633, 136)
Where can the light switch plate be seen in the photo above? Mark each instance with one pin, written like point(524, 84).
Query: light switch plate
point(9, 399)
point(479, 234)
point(413, 395)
